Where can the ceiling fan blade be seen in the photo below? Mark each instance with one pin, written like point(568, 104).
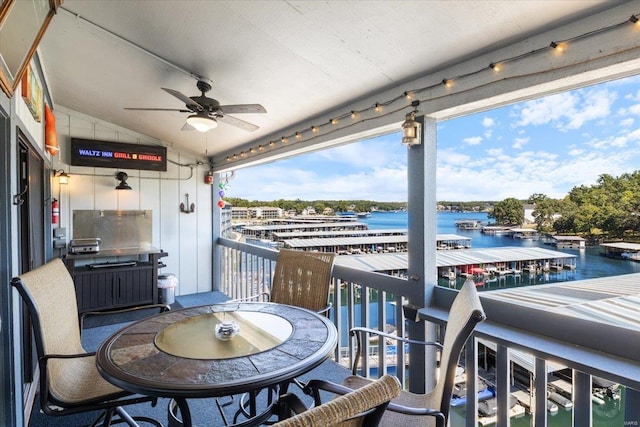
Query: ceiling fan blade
point(243, 108)
point(238, 123)
point(157, 109)
point(184, 98)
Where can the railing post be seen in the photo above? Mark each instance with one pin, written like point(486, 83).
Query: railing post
point(582, 399)
point(503, 386)
point(471, 373)
point(540, 393)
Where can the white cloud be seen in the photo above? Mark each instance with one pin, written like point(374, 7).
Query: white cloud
point(565, 111)
point(488, 122)
point(634, 109)
point(575, 152)
point(519, 143)
point(628, 122)
point(473, 140)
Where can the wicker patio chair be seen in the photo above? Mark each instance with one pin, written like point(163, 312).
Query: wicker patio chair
point(362, 407)
point(300, 278)
point(69, 380)
point(430, 409)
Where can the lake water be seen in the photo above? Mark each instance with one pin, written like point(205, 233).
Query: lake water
point(589, 263)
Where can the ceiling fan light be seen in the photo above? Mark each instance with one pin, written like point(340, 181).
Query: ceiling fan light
point(202, 123)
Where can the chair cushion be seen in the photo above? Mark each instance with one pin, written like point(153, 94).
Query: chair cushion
point(78, 380)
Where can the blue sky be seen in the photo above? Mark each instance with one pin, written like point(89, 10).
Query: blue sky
point(548, 146)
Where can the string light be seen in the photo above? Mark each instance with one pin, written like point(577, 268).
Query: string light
point(559, 46)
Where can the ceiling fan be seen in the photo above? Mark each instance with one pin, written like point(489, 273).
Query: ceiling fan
point(206, 112)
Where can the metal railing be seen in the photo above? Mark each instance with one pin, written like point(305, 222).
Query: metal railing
point(246, 271)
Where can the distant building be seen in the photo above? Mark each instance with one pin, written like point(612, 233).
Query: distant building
point(266, 212)
point(528, 213)
point(309, 210)
point(239, 212)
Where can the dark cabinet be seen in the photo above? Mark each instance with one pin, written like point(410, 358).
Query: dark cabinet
point(106, 286)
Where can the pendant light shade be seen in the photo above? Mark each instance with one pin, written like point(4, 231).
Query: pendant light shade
point(202, 122)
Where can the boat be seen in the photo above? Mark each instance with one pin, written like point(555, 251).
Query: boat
point(468, 224)
point(489, 407)
point(363, 214)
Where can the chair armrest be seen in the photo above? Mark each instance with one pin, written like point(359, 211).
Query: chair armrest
point(360, 333)
point(46, 357)
point(326, 310)
point(251, 298)
point(161, 307)
point(289, 404)
point(313, 388)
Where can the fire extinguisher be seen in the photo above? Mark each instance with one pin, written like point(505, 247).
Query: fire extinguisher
point(55, 211)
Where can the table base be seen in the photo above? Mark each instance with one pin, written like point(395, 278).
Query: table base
point(178, 415)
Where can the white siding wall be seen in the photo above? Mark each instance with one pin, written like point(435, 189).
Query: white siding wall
point(186, 237)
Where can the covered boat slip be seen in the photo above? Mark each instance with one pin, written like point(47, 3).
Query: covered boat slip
point(280, 236)
point(351, 245)
point(464, 260)
point(622, 250)
point(364, 241)
point(266, 231)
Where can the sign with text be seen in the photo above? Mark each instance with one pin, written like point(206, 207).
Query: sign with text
point(104, 154)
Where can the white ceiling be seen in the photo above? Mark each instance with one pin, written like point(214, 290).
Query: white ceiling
point(296, 58)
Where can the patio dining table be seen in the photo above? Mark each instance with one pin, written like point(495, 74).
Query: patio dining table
point(178, 355)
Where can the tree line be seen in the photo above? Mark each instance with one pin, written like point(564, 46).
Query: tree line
point(319, 205)
point(608, 209)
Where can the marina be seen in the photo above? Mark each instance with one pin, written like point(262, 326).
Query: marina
point(496, 260)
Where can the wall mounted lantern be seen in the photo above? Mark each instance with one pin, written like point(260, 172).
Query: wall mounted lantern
point(411, 130)
point(63, 177)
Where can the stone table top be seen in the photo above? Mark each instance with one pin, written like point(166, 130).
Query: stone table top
point(132, 359)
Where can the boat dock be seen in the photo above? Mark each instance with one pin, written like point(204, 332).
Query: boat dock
point(356, 242)
point(568, 242)
point(621, 250)
point(266, 231)
point(467, 261)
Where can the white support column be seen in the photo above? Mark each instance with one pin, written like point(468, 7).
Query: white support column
point(216, 232)
point(422, 225)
